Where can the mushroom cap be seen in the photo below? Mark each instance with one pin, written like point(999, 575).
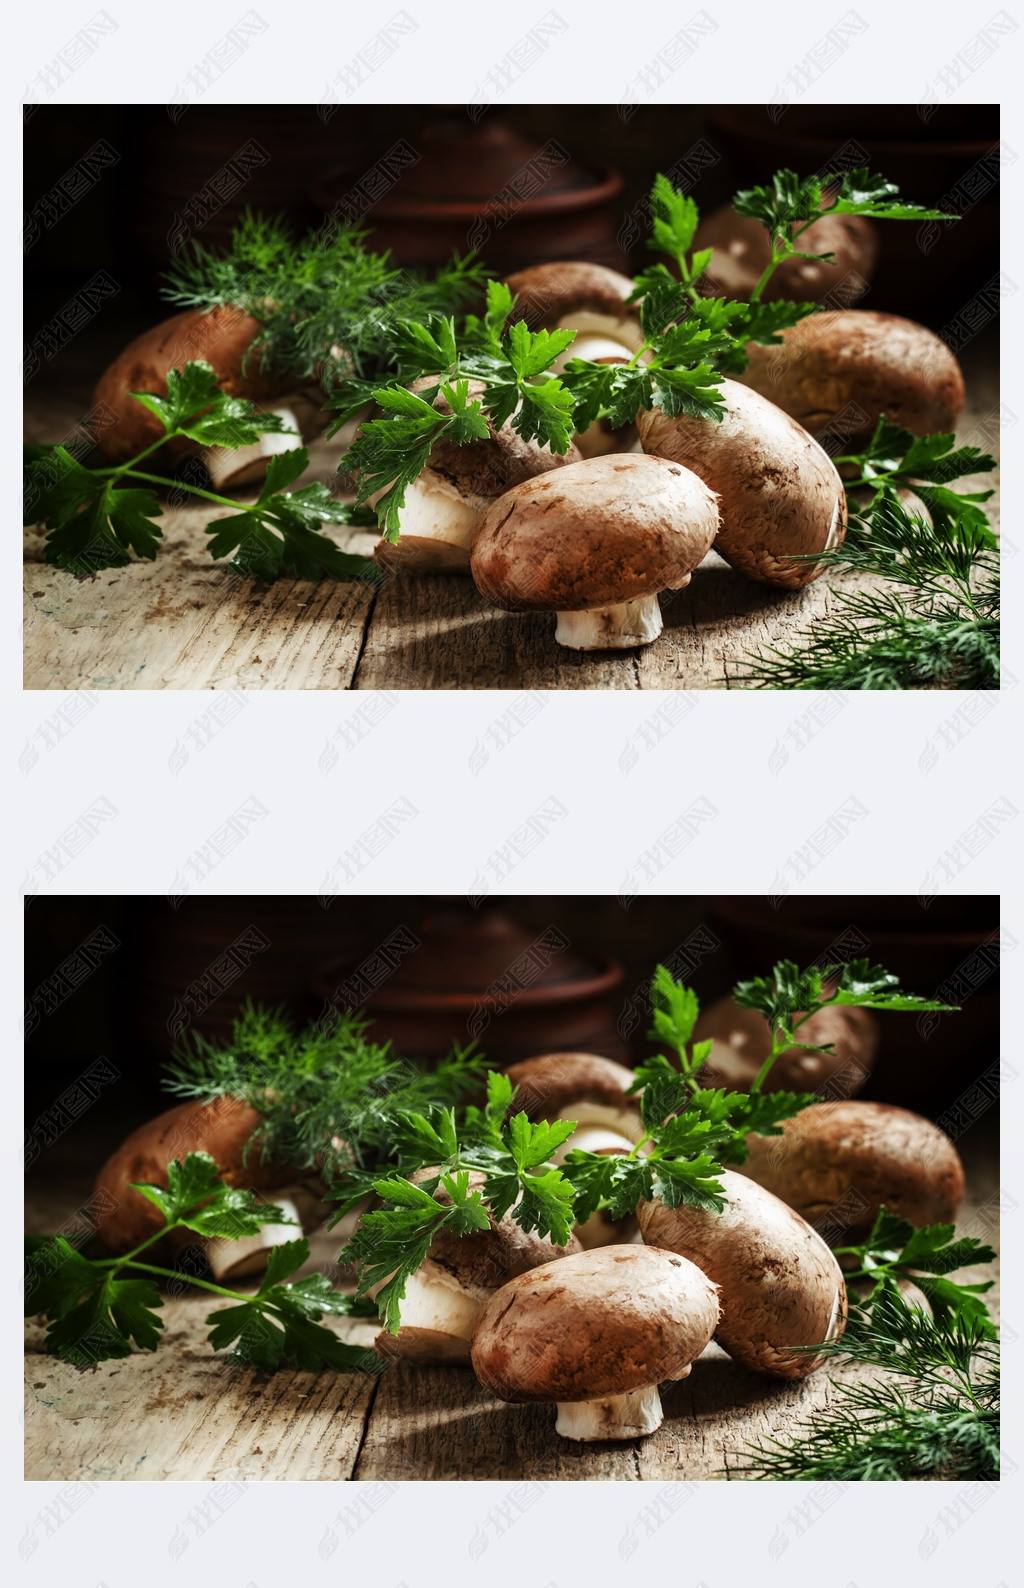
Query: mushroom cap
point(780, 494)
point(222, 1128)
point(742, 249)
point(597, 533)
point(556, 1081)
point(779, 1284)
point(221, 336)
point(838, 372)
point(606, 1322)
point(843, 1161)
point(547, 294)
point(743, 1042)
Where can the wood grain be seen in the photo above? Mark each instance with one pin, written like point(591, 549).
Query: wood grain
point(185, 622)
point(182, 1412)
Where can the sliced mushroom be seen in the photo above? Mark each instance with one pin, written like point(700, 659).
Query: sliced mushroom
point(742, 1042)
point(592, 301)
point(595, 543)
point(742, 249)
point(459, 1274)
point(597, 1334)
point(837, 373)
point(779, 493)
point(223, 1128)
point(223, 337)
point(780, 1288)
point(446, 503)
point(838, 1163)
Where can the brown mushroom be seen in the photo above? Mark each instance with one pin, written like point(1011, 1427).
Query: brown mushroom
point(779, 493)
point(223, 1128)
point(742, 1042)
point(591, 300)
point(595, 543)
point(459, 1274)
point(447, 501)
point(780, 1288)
point(838, 1163)
point(597, 1334)
point(837, 373)
point(593, 1091)
point(222, 337)
point(742, 250)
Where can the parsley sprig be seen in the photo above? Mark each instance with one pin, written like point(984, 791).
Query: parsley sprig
point(95, 517)
point(789, 204)
point(895, 1250)
point(512, 363)
point(95, 1310)
point(896, 460)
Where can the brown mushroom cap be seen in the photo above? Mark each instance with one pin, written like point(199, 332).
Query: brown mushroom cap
point(222, 1128)
point(779, 493)
point(743, 1041)
point(478, 1263)
point(838, 372)
point(838, 1163)
point(742, 250)
point(222, 337)
point(603, 1323)
point(547, 294)
point(601, 532)
point(549, 1085)
point(779, 1284)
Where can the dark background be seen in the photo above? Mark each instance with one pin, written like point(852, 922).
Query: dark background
point(129, 1003)
point(126, 222)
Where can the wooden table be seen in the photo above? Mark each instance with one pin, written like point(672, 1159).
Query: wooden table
point(186, 622)
point(182, 1412)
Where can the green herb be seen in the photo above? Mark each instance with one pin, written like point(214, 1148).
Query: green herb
point(327, 1096)
point(933, 625)
point(895, 1250)
point(96, 516)
point(510, 361)
point(94, 1313)
point(896, 460)
point(326, 304)
point(790, 204)
point(940, 1420)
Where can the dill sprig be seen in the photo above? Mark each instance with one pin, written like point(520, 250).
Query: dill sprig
point(327, 1096)
point(326, 303)
point(939, 1421)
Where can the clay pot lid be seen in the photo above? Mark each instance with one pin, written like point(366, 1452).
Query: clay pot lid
point(467, 169)
point(468, 958)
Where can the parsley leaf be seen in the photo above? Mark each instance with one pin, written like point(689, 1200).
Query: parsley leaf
point(895, 1250)
point(197, 1199)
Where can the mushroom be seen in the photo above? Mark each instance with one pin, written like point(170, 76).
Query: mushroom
point(593, 1091)
point(446, 502)
point(838, 1163)
point(459, 1274)
point(222, 337)
point(780, 495)
point(592, 301)
point(742, 1041)
point(742, 249)
point(595, 543)
point(223, 1128)
point(837, 373)
point(780, 1287)
point(597, 1334)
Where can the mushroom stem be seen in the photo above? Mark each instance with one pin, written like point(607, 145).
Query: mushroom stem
point(615, 627)
point(627, 1416)
point(438, 522)
point(236, 466)
point(238, 1259)
point(436, 1302)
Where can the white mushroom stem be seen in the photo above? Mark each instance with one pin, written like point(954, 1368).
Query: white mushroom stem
point(436, 1301)
point(616, 1417)
point(624, 1121)
point(437, 524)
point(594, 349)
point(246, 1256)
point(623, 330)
point(231, 467)
point(611, 628)
point(593, 1138)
